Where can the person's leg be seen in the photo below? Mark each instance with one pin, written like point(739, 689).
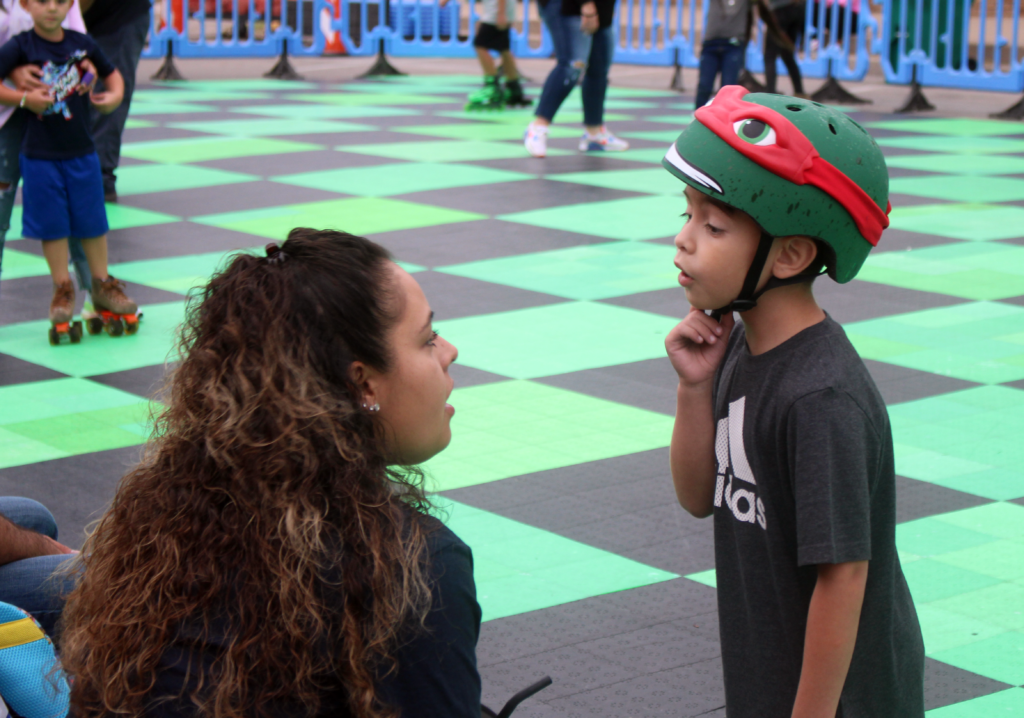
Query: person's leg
point(10, 174)
point(80, 263)
point(28, 514)
point(595, 80)
point(123, 47)
point(55, 251)
point(792, 23)
point(570, 61)
point(39, 585)
point(710, 64)
point(486, 62)
point(732, 64)
point(771, 54)
point(508, 62)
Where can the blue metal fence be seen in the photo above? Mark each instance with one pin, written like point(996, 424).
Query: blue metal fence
point(971, 44)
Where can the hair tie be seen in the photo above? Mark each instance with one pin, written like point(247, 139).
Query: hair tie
point(275, 255)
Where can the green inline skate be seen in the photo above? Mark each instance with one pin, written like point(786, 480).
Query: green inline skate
point(489, 97)
point(514, 96)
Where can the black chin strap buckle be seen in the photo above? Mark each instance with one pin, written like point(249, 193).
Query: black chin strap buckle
point(743, 305)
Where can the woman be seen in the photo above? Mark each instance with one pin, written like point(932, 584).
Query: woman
point(584, 45)
point(267, 558)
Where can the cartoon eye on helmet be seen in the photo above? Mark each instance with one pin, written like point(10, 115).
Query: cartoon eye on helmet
point(795, 166)
point(756, 132)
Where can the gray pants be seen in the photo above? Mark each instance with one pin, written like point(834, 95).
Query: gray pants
point(123, 47)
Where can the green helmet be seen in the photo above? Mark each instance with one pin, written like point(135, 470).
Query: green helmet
point(796, 167)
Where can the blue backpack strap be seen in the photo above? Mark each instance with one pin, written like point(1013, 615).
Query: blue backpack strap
point(31, 681)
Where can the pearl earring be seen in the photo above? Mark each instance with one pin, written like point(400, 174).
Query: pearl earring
point(371, 409)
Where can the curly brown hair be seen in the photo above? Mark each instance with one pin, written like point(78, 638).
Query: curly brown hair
point(263, 502)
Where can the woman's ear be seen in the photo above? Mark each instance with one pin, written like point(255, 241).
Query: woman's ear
point(795, 255)
point(367, 381)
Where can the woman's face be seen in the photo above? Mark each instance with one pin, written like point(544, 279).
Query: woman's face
point(413, 394)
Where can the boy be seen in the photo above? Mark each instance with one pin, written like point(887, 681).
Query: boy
point(780, 431)
point(492, 34)
point(62, 191)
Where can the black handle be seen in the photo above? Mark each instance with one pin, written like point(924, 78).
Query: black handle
point(522, 695)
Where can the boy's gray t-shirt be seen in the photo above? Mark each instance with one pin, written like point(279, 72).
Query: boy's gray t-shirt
point(806, 476)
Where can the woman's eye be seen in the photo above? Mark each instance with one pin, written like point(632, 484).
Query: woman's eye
point(755, 132)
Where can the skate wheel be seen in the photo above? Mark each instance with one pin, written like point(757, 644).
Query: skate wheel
point(75, 333)
point(131, 324)
point(94, 325)
point(115, 328)
point(54, 337)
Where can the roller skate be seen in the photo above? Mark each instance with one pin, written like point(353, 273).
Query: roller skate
point(112, 310)
point(489, 97)
point(514, 96)
point(62, 310)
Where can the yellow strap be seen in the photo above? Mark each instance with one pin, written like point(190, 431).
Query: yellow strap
point(18, 633)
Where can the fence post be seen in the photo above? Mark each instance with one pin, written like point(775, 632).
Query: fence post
point(916, 101)
point(167, 70)
point(1016, 112)
point(832, 91)
point(382, 67)
point(283, 69)
point(677, 73)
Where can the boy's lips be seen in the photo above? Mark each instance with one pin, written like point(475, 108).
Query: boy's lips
point(684, 278)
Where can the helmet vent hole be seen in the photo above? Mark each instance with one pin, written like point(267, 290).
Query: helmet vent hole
point(833, 129)
point(794, 108)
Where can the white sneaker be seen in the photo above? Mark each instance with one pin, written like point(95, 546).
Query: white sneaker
point(536, 140)
point(603, 141)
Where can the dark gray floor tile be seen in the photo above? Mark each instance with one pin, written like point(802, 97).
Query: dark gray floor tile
point(169, 117)
point(919, 499)
point(288, 163)
point(669, 302)
point(655, 648)
point(859, 300)
point(452, 297)
point(649, 384)
point(898, 384)
point(155, 134)
point(466, 376)
point(201, 201)
point(1019, 502)
point(908, 200)
point(508, 197)
point(559, 164)
point(896, 172)
point(693, 690)
point(945, 684)
point(76, 489)
point(692, 553)
point(572, 669)
point(900, 240)
point(175, 239)
point(19, 371)
point(479, 239)
point(145, 381)
point(1016, 241)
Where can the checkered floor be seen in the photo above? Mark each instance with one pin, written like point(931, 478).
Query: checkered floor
point(554, 279)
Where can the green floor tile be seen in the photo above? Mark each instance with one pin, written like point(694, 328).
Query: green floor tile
point(636, 218)
point(953, 188)
point(484, 131)
point(121, 216)
point(574, 336)
point(131, 124)
point(521, 117)
point(261, 128)
point(708, 578)
point(98, 354)
point(995, 705)
point(650, 181)
point(181, 95)
point(175, 274)
point(1003, 560)
point(519, 568)
point(952, 127)
point(17, 265)
point(167, 108)
point(960, 221)
point(931, 537)
point(1001, 520)
point(986, 348)
point(960, 164)
point(444, 150)
point(143, 179)
point(1001, 604)
point(518, 427)
point(253, 85)
point(1000, 658)
point(65, 417)
point(595, 271)
point(439, 88)
point(681, 119)
point(931, 580)
point(206, 149)
point(323, 112)
point(359, 99)
point(654, 155)
point(961, 145)
point(666, 136)
point(393, 179)
point(618, 91)
point(943, 629)
point(360, 215)
point(972, 270)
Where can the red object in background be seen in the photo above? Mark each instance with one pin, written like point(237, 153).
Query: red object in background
point(333, 44)
point(227, 7)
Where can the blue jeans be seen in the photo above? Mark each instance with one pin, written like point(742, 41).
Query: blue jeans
point(717, 55)
point(11, 135)
point(576, 54)
point(37, 585)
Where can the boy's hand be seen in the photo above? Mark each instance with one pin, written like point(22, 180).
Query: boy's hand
point(38, 101)
point(110, 99)
point(696, 346)
point(84, 88)
point(27, 78)
point(589, 21)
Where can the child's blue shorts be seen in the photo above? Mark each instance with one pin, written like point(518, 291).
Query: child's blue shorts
point(62, 198)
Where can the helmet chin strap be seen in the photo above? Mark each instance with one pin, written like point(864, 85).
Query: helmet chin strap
point(749, 294)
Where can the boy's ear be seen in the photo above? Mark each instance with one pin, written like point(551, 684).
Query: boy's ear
point(795, 255)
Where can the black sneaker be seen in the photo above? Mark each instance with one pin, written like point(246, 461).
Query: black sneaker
point(110, 196)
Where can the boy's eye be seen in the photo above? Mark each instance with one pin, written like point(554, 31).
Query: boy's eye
point(433, 336)
point(686, 217)
point(755, 132)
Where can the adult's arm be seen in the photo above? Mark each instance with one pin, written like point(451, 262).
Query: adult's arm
point(17, 544)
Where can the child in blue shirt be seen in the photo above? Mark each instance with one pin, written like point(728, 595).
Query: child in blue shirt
point(62, 191)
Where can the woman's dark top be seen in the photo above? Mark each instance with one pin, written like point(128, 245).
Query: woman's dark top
point(436, 675)
point(605, 10)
